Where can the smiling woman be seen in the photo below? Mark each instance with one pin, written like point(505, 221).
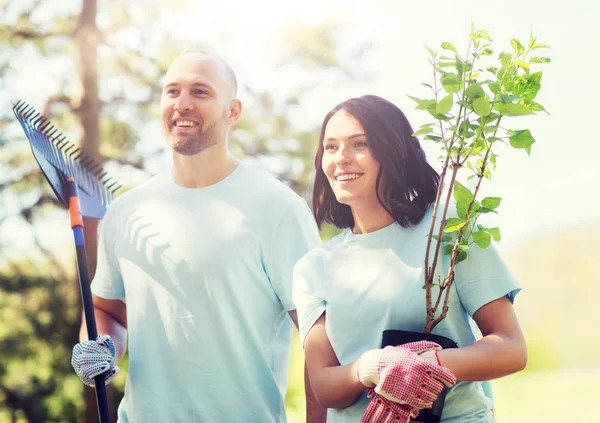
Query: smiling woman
point(374, 182)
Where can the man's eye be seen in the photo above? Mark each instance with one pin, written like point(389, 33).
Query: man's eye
point(172, 92)
point(200, 92)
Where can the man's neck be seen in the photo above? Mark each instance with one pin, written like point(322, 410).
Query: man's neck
point(203, 169)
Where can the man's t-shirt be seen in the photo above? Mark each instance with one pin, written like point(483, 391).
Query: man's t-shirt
point(206, 274)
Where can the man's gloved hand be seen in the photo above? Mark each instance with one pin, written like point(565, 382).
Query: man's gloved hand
point(93, 358)
point(382, 410)
point(402, 376)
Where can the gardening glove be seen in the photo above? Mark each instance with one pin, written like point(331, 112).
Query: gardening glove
point(401, 375)
point(93, 358)
point(382, 410)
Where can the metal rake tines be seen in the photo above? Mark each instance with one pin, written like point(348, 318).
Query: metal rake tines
point(63, 155)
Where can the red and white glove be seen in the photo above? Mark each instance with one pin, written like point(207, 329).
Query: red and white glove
point(382, 410)
point(402, 376)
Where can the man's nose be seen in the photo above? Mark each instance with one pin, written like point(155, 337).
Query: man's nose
point(183, 103)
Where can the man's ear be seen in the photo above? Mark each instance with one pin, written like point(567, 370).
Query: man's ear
point(235, 110)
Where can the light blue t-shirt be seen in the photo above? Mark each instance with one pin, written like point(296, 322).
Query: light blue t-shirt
point(373, 282)
point(206, 274)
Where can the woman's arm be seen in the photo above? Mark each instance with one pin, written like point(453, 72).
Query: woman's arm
point(333, 385)
point(500, 352)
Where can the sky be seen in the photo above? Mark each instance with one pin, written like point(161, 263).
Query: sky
point(554, 188)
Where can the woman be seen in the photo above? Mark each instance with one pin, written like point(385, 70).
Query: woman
point(373, 181)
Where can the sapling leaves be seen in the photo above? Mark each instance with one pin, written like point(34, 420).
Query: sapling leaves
point(467, 111)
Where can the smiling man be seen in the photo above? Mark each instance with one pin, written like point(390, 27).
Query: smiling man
point(195, 265)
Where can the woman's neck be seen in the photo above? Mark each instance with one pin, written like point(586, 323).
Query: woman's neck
point(370, 219)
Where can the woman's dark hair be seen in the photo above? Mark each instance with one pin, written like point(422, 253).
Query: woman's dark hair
point(409, 183)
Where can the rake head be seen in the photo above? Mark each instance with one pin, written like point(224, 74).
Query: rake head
point(59, 159)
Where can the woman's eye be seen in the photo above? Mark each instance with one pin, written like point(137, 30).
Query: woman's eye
point(360, 144)
point(329, 147)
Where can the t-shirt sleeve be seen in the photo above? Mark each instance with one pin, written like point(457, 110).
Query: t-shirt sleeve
point(482, 278)
point(308, 297)
point(295, 235)
point(107, 282)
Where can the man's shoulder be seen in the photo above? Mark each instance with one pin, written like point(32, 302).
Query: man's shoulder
point(265, 184)
point(132, 196)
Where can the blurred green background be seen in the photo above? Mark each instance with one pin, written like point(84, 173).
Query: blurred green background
point(95, 68)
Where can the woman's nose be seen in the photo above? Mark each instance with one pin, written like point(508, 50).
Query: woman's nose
point(343, 156)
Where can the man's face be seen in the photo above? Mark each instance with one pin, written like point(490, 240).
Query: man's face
point(195, 104)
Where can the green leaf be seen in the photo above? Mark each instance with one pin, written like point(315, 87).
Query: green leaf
point(492, 69)
point(445, 238)
point(495, 233)
point(446, 64)
point(493, 160)
point(528, 85)
point(422, 104)
point(462, 193)
point(536, 46)
point(517, 47)
point(449, 46)
point(505, 58)
point(522, 64)
point(536, 59)
point(535, 106)
point(430, 51)
point(433, 138)
point(453, 224)
point(531, 39)
point(513, 109)
point(460, 67)
point(486, 210)
point(521, 138)
point(482, 239)
point(425, 129)
point(461, 209)
point(486, 52)
point(490, 202)
point(510, 98)
point(462, 256)
point(445, 105)
point(481, 106)
point(451, 83)
point(448, 249)
point(494, 87)
point(480, 34)
point(474, 91)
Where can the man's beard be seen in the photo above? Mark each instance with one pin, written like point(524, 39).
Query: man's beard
point(194, 144)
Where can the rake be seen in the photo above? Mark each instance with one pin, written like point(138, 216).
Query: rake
point(84, 189)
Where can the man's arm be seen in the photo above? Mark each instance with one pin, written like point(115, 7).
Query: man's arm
point(111, 319)
point(315, 413)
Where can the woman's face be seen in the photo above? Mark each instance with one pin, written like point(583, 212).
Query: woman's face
point(348, 163)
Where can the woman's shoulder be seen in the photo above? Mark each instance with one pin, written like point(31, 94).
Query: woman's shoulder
point(322, 253)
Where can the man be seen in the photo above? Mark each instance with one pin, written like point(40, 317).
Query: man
point(195, 265)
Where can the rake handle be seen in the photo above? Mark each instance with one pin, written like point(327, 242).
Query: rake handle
point(86, 292)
